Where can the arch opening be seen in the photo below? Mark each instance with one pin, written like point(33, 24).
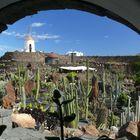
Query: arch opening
point(18, 9)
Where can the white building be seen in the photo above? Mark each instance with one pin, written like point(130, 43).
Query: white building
point(75, 53)
point(29, 44)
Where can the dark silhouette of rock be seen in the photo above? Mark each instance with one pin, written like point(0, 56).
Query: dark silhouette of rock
point(128, 130)
point(74, 138)
point(2, 128)
point(104, 137)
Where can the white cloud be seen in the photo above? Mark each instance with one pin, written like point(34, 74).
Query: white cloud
point(14, 34)
point(37, 24)
point(18, 35)
point(45, 36)
point(9, 33)
point(34, 35)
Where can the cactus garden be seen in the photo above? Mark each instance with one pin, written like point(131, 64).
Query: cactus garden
point(95, 103)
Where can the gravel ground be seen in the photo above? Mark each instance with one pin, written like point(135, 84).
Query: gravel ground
point(22, 133)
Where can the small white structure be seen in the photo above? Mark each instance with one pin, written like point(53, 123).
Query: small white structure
point(77, 68)
point(29, 44)
point(75, 53)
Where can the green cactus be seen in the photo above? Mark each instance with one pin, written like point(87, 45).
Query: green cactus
point(74, 105)
point(19, 79)
point(102, 116)
point(59, 113)
point(85, 90)
point(38, 83)
point(104, 83)
point(23, 97)
point(70, 90)
point(87, 93)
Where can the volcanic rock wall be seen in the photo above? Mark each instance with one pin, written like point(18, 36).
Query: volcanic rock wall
point(24, 57)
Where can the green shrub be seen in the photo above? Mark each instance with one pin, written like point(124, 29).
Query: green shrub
point(136, 66)
point(123, 100)
point(72, 75)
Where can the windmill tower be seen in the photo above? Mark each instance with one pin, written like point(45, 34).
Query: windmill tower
point(29, 43)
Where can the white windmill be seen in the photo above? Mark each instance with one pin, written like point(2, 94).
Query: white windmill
point(29, 43)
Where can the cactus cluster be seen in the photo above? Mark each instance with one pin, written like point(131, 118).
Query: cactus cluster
point(71, 93)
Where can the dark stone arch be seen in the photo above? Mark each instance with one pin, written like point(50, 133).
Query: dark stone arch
point(17, 9)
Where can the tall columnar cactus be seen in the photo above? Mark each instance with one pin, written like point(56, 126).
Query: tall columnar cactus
point(76, 109)
point(19, 80)
point(38, 83)
point(64, 84)
point(116, 87)
point(104, 83)
point(129, 115)
point(85, 97)
point(102, 117)
point(136, 111)
point(87, 93)
point(111, 107)
point(129, 101)
point(95, 88)
point(24, 74)
point(73, 106)
point(23, 99)
point(70, 90)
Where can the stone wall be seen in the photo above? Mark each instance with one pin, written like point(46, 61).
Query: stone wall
point(119, 63)
point(34, 57)
point(122, 63)
point(99, 59)
point(24, 57)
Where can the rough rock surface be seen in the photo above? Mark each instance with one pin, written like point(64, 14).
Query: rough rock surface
point(29, 86)
point(68, 132)
point(129, 130)
point(22, 134)
point(10, 97)
point(23, 120)
point(18, 133)
point(90, 130)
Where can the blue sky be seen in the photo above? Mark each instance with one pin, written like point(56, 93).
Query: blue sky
point(60, 31)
